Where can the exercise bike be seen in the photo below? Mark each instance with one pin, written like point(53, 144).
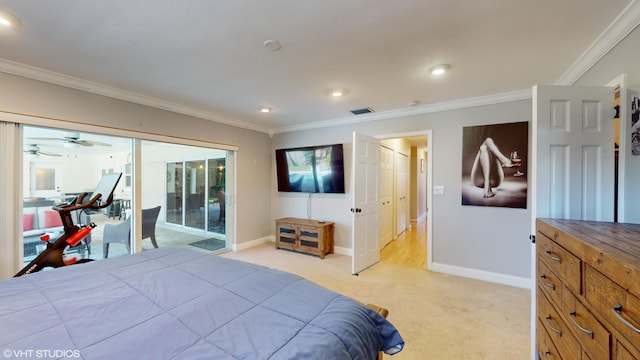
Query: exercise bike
point(54, 253)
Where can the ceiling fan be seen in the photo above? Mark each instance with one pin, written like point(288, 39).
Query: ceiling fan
point(71, 139)
point(34, 151)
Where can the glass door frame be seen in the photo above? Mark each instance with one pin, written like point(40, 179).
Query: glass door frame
point(207, 195)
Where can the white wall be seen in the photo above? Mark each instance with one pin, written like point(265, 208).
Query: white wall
point(494, 240)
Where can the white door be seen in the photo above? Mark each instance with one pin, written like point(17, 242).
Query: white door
point(386, 196)
point(45, 180)
point(572, 132)
point(365, 235)
point(402, 162)
point(575, 152)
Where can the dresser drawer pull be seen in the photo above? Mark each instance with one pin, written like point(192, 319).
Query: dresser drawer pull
point(557, 331)
point(553, 257)
point(549, 285)
point(617, 311)
point(572, 317)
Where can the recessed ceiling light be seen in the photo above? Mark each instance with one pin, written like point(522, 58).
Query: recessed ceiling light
point(440, 69)
point(265, 110)
point(337, 92)
point(8, 20)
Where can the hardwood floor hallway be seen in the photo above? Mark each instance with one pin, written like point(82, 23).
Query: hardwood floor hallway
point(410, 248)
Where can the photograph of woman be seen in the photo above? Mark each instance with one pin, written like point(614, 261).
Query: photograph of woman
point(494, 165)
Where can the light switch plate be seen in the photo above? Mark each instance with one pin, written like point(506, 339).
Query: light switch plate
point(438, 190)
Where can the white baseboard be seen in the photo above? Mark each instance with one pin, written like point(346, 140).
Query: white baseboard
point(420, 218)
point(342, 251)
point(249, 244)
point(520, 282)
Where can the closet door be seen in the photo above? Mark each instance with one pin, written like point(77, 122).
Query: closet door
point(402, 163)
point(386, 196)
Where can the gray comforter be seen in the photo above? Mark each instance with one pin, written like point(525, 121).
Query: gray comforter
point(178, 303)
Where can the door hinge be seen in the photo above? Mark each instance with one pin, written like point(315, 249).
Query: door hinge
point(532, 238)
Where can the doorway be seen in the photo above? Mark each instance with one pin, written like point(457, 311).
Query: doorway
point(44, 180)
point(410, 173)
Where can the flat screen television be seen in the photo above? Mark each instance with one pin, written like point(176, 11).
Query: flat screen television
point(313, 169)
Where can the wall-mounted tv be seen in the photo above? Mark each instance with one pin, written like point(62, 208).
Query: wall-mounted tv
point(313, 169)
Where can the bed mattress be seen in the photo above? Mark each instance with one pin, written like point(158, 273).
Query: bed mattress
point(179, 303)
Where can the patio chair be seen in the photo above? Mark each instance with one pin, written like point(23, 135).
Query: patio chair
point(116, 233)
point(121, 233)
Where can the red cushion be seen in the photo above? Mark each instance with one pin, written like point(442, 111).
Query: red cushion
point(52, 219)
point(27, 222)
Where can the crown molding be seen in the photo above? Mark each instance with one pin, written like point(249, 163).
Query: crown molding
point(417, 110)
point(51, 77)
point(621, 26)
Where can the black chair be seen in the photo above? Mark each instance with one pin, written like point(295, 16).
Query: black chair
point(149, 219)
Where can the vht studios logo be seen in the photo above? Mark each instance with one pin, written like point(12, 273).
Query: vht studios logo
point(40, 353)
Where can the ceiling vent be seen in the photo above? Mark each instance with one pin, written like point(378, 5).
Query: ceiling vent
point(362, 111)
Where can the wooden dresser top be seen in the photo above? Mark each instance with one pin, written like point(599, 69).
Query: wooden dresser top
point(611, 248)
point(307, 222)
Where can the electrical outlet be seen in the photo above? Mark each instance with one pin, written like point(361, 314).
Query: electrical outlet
point(438, 190)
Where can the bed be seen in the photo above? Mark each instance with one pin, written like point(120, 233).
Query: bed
point(179, 303)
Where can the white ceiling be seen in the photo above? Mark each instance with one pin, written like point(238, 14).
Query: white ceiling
point(207, 57)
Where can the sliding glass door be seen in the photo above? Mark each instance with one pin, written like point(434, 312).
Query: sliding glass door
point(196, 191)
point(203, 198)
point(217, 195)
point(188, 183)
point(174, 192)
point(194, 194)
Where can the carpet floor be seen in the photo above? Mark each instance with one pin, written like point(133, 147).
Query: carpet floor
point(440, 317)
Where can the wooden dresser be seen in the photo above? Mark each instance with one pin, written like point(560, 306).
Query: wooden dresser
point(588, 290)
point(308, 236)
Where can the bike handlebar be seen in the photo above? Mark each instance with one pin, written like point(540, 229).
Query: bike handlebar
point(77, 203)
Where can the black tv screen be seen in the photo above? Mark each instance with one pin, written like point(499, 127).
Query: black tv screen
point(314, 169)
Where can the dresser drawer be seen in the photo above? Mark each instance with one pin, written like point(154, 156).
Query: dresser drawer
point(615, 304)
point(622, 353)
point(558, 331)
point(593, 336)
point(561, 261)
point(546, 349)
point(549, 282)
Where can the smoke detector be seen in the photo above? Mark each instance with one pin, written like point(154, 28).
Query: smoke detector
point(272, 45)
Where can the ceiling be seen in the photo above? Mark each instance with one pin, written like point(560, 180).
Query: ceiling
point(206, 58)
